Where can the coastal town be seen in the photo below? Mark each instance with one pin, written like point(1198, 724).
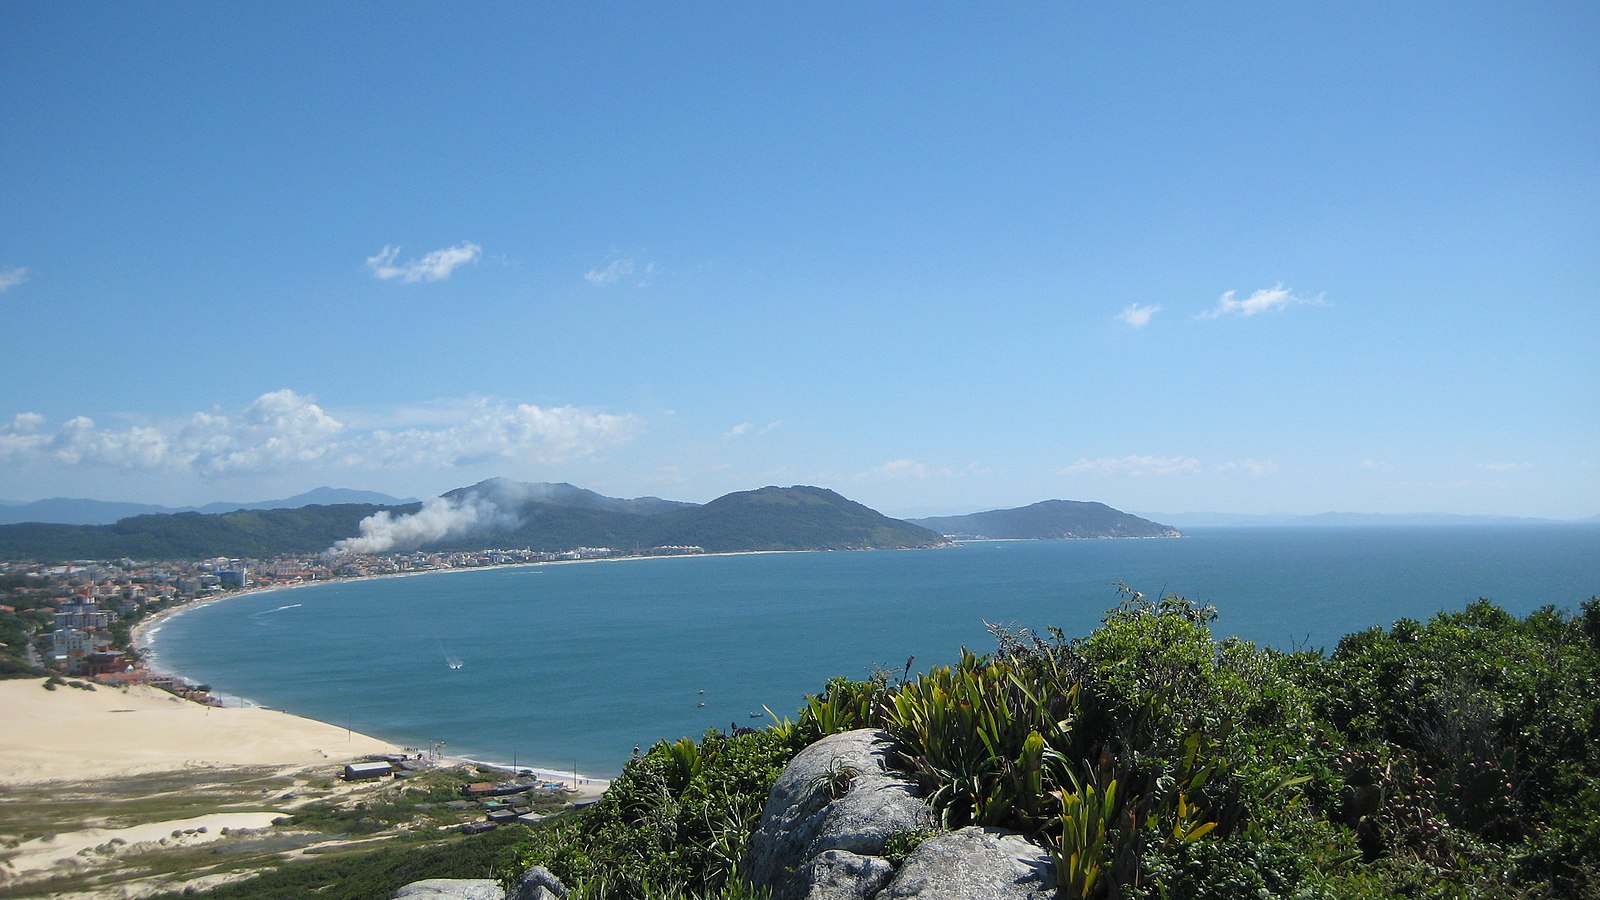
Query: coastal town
point(258, 785)
point(80, 618)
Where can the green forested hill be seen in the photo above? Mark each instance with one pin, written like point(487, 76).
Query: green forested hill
point(1050, 520)
point(540, 517)
point(794, 518)
point(247, 533)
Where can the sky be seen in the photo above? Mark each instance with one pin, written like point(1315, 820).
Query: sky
point(1234, 257)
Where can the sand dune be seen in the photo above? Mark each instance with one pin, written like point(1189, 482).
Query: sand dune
point(70, 734)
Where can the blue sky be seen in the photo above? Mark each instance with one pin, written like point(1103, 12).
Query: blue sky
point(1235, 257)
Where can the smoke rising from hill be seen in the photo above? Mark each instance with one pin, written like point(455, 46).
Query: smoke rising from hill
point(439, 518)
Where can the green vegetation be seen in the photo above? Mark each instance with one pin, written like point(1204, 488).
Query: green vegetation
point(1458, 758)
point(361, 844)
point(256, 533)
point(1050, 520)
point(363, 873)
point(797, 518)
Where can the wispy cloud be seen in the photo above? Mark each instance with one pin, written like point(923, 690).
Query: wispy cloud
point(10, 278)
point(1138, 316)
point(1161, 466)
point(744, 429)
point(435, 266)
point(909, 469)
point(1255, 468)
point(283, 429)
point(896, 470)
point(1134, 466)
point(621, 270)
point(611, 273)
point(497, 431)
point(1277, 298)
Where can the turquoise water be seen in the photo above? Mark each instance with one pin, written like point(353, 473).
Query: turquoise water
point(569, 666)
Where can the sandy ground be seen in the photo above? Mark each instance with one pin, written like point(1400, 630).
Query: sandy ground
point(43, 853)
point(70, 734)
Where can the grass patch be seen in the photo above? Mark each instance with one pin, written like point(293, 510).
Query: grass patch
point(32, 811)
point(374, 874)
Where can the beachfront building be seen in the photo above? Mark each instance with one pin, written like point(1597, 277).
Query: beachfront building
point(83, 614)
point(70, 648)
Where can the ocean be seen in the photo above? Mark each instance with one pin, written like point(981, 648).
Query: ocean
point(569, 666)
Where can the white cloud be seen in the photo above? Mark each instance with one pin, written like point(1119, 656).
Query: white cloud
point(282, 430)
point(497, 431)
point(615, 271)
point(10, 278)
point(1255, 468)
point(276, 429)
point(905, 469)
point(748, 428)
point(1138, 316)
point(1134, 466)
point(896, 470)
point(1279, 297)
point(435, 266)
point(21, 438)
point(1158, 466)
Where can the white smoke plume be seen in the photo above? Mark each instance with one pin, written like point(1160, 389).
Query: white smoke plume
point(439, 518)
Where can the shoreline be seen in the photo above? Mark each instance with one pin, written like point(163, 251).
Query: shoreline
point(143, 638)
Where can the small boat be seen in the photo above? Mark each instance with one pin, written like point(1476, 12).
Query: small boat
point(755, 715)
point(701, 703)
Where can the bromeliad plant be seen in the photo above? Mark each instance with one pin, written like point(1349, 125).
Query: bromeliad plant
point(843, 705)
point(1087, 817)
point(982, 741)
point(1146, 713)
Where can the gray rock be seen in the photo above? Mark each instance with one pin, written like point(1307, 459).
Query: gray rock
point(452, 889)
point(842, 875)
point(975, 864)
point(836, 794)
point(539, 883)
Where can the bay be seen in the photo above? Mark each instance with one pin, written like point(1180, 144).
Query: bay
point(568, 666)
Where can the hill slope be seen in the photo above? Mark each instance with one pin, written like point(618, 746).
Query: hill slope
point(792, 518)
point(1050, 520)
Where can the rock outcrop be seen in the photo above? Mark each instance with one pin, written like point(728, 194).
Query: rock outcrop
point(974, 864)
point(539, 883)
point(823, 830)
point(822, 836)
point(839, 794)
point(535, 884)
point(452, 889)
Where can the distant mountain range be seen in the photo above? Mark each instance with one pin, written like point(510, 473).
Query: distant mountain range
point(500, 512)
point(494, 513)
point(72, 511)
point(1049, 520)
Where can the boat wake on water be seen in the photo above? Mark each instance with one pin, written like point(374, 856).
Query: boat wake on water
point(450, 659)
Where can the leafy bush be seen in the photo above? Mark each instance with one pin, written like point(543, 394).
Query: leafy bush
point(675, 822)
point(1450, 759)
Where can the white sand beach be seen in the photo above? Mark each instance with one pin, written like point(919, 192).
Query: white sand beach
point(71, 734)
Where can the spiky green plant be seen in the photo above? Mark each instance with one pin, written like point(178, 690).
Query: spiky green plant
point(981, 740)
point(1087, 818)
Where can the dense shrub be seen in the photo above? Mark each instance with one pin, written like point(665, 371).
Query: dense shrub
point(1451, 759)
